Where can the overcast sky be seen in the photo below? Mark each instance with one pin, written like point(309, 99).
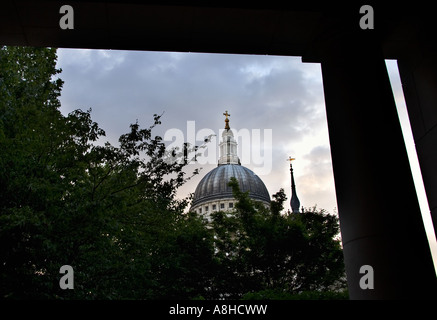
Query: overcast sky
point(269, 93)
point(273, 94)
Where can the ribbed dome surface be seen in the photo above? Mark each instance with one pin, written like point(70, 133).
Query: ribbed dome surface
point(214, 184)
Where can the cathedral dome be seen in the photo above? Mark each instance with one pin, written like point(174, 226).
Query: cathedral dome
point(213, 193)
point(214, 185)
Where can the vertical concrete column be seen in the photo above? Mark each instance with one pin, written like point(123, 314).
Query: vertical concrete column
point(419, 83)
point(380, 219)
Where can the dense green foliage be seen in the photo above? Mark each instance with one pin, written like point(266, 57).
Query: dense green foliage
point(261, 249)
point(111, 212)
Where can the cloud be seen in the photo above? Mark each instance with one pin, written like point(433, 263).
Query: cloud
point(317, 177)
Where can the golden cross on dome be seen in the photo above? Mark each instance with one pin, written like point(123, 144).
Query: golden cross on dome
point(226, 114)
point(291, 159)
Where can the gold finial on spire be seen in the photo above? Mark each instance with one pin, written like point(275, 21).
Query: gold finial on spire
point(226, 114)
point(291, 159)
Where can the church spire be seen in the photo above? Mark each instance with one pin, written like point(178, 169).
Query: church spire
point(294, 201)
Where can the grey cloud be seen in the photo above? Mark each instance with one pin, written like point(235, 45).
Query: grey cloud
point(316, 180)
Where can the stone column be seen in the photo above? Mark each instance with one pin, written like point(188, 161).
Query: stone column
point(380, 218)
point(419, 83)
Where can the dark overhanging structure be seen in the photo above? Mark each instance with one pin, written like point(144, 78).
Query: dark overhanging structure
point(380, 219)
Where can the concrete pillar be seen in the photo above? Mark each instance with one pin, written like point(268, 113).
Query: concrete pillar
point(419, 83)
point(380, 219)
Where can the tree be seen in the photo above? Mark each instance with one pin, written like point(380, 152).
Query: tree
point(110, 212)
point(28, 109)
point(262, 249)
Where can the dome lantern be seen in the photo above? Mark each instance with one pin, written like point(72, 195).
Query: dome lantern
point(228, 146)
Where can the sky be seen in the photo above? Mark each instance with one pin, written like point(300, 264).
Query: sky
point(276, 103)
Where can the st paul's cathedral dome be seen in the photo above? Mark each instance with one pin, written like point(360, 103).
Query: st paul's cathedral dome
point(213, 193)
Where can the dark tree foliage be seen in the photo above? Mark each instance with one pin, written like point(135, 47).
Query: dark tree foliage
point(111, 212)
point(262, 250)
